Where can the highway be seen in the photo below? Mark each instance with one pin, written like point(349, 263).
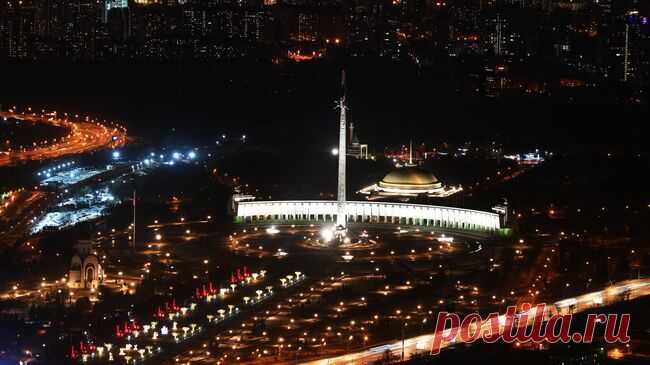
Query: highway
point(84, 136)
point(624, 290)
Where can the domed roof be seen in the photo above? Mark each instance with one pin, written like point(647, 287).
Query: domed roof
point(410, 178)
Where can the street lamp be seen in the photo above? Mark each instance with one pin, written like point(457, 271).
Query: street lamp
point(280, 345)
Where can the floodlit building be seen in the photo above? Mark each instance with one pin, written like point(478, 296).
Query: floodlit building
point(355, 148)
point(408, 182)
point(403, 183)
point(86, 271)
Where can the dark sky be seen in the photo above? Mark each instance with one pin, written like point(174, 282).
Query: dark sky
point(294, 105)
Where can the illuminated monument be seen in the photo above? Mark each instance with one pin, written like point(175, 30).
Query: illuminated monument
point(408, 182)
point(340, 206)
point(341, 212)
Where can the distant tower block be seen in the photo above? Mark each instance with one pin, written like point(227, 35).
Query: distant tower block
point(340, 211)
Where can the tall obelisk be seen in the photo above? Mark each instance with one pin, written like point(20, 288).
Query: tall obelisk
point(340, 206)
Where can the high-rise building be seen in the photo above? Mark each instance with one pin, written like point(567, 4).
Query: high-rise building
point(16, 26)
point(113, 4)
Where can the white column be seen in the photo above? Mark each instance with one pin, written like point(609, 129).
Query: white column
point(340, 218)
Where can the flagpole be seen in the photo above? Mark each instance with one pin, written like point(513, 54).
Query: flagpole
point(133, 244)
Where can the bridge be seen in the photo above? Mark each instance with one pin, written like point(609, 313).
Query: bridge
point(368, 212)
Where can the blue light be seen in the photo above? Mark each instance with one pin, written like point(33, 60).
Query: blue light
point(116, 154)
point(192, 155)
point(176, 155)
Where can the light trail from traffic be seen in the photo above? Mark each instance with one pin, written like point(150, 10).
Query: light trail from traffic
point(422, 344)
point(85, 135)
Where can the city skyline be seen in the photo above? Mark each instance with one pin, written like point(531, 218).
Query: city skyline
point(586, 42)
point(257, 182)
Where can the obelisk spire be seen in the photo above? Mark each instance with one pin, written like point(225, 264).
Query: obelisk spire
point(411, 153)
point(340, 211)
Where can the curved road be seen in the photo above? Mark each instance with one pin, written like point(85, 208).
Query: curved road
point(620, 291)
point(84, 136)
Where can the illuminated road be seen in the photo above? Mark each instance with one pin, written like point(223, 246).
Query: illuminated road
point(623, 290)
point(15, 217)
point(84, 136)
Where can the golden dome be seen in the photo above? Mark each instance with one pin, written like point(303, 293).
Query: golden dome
point(411, 178)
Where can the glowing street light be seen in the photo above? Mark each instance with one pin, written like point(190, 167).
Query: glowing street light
point(327, 234)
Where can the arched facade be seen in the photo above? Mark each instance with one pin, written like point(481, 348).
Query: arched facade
point(370, 212)
point(86, 271)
